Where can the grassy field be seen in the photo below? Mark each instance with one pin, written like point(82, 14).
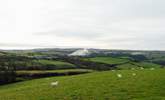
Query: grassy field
point(147, 65)
point(145, 85)
point(42, 64)
point(108, 60)
point(127, 66)
point(124, 63)
point(52, 62)
point(135, 65)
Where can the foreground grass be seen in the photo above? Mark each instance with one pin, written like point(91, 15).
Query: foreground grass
point(146, 85)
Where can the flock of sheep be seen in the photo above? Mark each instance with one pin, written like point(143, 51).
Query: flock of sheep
point(133, 74)
point(118, 75)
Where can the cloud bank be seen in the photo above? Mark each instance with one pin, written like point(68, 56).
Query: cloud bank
point(111, 24)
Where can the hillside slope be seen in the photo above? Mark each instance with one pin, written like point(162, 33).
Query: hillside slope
point(145, 85)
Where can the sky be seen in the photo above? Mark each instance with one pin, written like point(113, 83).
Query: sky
point(104, 24)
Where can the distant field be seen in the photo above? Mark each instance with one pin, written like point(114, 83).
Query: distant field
point(124, 63)
point(147, 65)
point(108, 60)
point(43, 64)
point(53, 62)
point(145, 85)
point(139, 65)
point(127, 66)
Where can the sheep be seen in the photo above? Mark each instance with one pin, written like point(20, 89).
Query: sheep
point(133, 74)
point(141, 68)
point(152, 68)
point(132, 68)
point(54, 83)
point(119, 75)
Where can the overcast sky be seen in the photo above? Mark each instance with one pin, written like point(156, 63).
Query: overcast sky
point(110, 24)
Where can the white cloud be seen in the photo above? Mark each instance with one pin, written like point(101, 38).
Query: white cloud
point(122, 24)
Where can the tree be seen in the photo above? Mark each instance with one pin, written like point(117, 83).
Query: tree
point(7, 73)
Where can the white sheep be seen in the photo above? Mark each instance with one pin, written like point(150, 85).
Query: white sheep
point(54, 83)
point(133, 74)
point(132, 68)
point(152, 68)
point(119, 75)
point(141, 68)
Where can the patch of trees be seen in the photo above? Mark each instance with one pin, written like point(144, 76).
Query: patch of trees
point(29, 63)
point(8, 66)
point(26, 76)
point(7, 73)
point(160, 62)
point(138, 58)
point(103, 54)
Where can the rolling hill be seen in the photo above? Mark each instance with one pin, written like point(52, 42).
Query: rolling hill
point(106, 85)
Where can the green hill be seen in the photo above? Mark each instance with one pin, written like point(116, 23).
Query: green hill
point(145, 85)
point(138, 65)
point(124, 63)
point(59, 64)
point(109, 60)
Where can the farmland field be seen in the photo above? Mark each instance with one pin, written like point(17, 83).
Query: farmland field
point(136, 65)
point(108, 60)
point(145, 85)
point(51, 62)
point(124, 63)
